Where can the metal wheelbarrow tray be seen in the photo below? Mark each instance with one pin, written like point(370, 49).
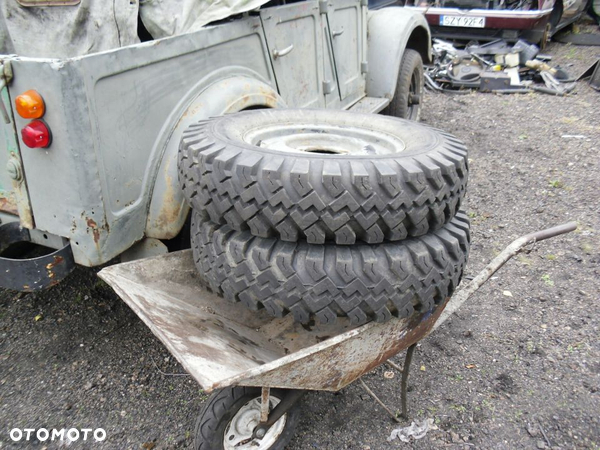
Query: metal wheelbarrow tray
point(221, 343)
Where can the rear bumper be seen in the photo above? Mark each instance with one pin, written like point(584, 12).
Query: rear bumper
point(34, 273)
point(504, 24)
point(495, 18)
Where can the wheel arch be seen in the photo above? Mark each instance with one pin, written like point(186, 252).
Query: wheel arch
point(168, 210)
point(390, 31)
point(420, 41)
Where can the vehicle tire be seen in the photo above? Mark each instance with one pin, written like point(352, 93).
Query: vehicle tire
point(555, 16)
point(233, 410)
point(406, 103)
point(594, 10)
point(363, 282)
point(324, 176)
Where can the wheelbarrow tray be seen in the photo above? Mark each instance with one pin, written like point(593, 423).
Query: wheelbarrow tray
point(221, 343)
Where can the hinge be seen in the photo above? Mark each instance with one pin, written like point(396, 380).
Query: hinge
point(6, 76)
point(323, 7)
point(328, 87)
point(364, 67)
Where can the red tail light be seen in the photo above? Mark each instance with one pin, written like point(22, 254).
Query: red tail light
point(36, 135)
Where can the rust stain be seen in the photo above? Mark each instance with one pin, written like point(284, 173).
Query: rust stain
point(8, 205)
point(95, 231)
point(57, 260)
point(419, 327)
point(170, 210)
point(339, 366)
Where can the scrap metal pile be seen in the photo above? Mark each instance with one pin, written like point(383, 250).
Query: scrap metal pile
point(496, 67)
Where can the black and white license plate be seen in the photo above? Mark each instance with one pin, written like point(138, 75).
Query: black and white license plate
point(462, 21)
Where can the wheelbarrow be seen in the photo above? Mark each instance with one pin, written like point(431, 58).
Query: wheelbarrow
point(260, 366)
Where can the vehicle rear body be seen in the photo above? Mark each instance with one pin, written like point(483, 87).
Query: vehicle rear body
point(108, 180)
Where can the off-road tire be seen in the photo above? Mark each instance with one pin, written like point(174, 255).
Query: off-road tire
point(222, 406)
point(363, 282)
point(341, 198)
point(409, 88)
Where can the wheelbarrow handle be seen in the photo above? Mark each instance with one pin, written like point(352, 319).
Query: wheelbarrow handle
point(551, 232)
point(515, 247)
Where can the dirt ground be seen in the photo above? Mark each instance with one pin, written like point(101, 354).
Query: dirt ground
point(518, 367)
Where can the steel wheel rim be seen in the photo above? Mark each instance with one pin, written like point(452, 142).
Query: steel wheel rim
point(324, 140)
point(239, 430)
point(413, 94)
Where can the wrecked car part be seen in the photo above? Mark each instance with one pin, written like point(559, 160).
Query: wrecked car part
point(593, 73)
point(491, 81)
point(525, 50)
point(436, 87)
point(595, 78)
point(465, 73)
point(502, 75)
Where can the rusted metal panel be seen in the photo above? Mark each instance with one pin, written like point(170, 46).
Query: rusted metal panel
point(31, 274)
point(221, 343)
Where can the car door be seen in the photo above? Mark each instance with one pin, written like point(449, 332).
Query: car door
point(347, 25)
point(294, 35)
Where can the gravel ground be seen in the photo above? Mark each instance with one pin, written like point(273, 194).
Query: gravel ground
point(518, 367)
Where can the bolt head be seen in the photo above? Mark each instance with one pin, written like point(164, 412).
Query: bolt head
point(260, 433)
point(13, 169)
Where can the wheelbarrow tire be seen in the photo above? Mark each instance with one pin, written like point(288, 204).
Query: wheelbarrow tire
point(222, 407)
point(408, 180)
point(406, 103)
point(362, 282)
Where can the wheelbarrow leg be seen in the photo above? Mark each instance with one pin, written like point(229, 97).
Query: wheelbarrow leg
point(404, 382)
point(403, 385)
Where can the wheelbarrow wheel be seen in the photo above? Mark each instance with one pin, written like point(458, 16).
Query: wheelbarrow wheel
point(231, 415)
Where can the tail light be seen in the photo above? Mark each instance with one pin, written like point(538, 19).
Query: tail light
point(36, 134)
point(30, 105)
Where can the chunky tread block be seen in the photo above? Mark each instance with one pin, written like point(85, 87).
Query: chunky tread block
point(362, 282)
point(346, 199)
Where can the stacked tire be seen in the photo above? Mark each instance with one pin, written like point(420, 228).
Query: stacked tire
point(326, 214)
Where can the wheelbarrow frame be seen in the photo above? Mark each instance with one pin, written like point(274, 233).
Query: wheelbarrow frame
point(223, 344)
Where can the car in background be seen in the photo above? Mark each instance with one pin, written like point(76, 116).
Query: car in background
point(532, 20)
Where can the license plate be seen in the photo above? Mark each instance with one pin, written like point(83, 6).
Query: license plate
point(462, 21)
